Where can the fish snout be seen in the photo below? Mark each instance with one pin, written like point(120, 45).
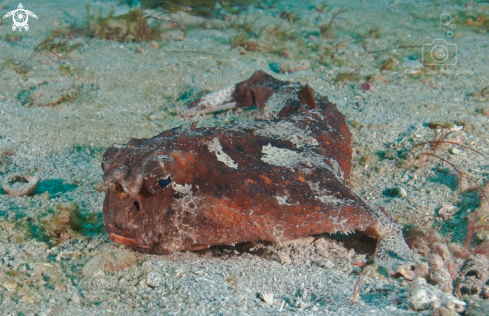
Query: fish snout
point(126, 238)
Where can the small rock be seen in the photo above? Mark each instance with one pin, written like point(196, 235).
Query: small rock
point(399, 192)
point(98, 274)
point(455, 151)
point(440, 273)
point(406, 272)
point(294, 66)
point(326, 264)
point(154, 279)
point(402, 192)
point(76, 298)
point(442, 250)
point(10, 286)
point(447, 211)
point(185, 19)
point(267, 298)
point(426, 296)
point(422, 270)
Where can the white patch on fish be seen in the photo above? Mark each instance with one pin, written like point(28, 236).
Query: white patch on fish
point(215, 146)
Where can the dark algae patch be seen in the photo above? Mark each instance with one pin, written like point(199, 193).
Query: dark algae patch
point(59, 224)
point(130, 27)
point(204, 8)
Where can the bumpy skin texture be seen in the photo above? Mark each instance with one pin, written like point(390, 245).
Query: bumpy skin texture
point(272, 180)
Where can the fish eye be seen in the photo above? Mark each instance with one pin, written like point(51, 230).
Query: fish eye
point(116, 187)
point(161, 183)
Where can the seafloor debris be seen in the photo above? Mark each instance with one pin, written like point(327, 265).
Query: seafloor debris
point(108, 260)
point(49, 94)
point(474, 276)
point(20, 184)
point(426, 296)
point(267, 298)
point(271, 180)
point(130, 27)
point(294, 66)
point(324, 252)
point(154, 279)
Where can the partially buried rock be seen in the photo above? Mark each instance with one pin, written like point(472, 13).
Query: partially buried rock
point(154, 279)
point(267, 298)
point(109, 260)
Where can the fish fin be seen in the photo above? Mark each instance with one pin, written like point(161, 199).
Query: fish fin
point(254, 91)
point(306, 96)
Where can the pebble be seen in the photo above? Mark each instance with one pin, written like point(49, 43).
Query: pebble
point(406, 272)
point(173, 35)
point(98, 274)
point(76, 298)
point(422, 270)
point(10, 286)
point(267, 298)
point(402, 192)
point(326, 264)
point(456, 151)
point(154, 279)
point(447, 211)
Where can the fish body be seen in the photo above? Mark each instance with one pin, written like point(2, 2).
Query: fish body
point(275, 179)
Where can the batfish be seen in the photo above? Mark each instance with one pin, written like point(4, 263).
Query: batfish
point(275, 179)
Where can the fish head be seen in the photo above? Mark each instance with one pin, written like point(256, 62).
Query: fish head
point(139, 181)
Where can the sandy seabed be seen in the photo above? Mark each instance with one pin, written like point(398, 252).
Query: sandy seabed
point(368, 63)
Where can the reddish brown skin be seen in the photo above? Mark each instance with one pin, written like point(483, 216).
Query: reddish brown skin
point(232, 205)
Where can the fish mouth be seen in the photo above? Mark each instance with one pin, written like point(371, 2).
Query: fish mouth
point(126, 238)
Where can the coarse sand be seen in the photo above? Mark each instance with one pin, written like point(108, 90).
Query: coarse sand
point(58, 117)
